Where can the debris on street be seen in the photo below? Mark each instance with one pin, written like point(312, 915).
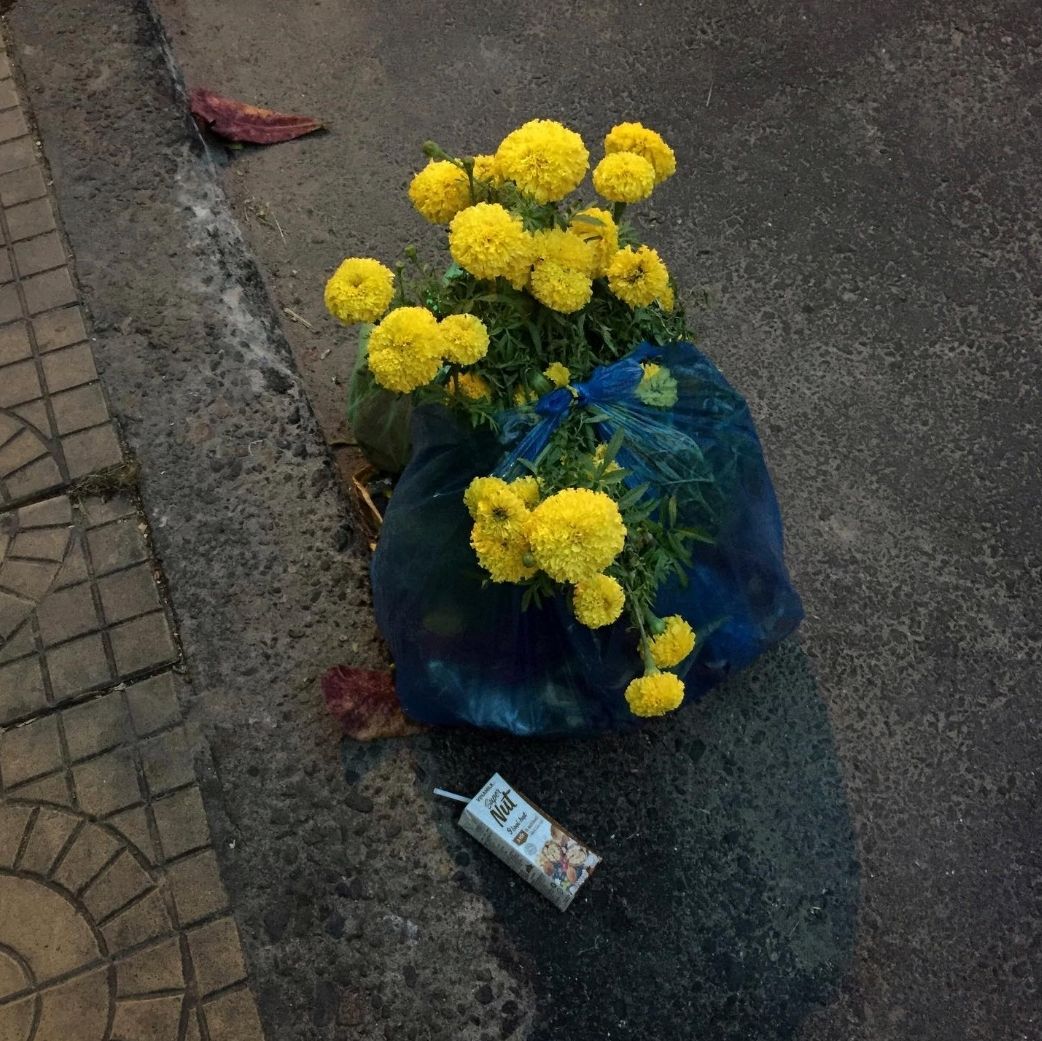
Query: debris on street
point(250, 124)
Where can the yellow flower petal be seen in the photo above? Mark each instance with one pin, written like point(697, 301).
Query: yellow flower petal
point(440, 190)
point(360, 290)
point(624, 177)
point(673, 644)
point(544, 159)
point(575, 533)
point(655, 695)
point(598, 601)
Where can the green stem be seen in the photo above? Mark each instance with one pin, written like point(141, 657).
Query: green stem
point(636, 612)
point(468, 169)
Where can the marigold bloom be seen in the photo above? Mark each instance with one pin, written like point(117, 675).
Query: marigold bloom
point(560, 288)
point(655, 694)
point(492, 501)
point(469, 385)
point(360, 290)
point(602, 237)
point(487, 240)
point(576, 533)
point(479, 489)
point(521, 266)
point(464, 338)
point(544, 159)
point(637, 276)
point(638, 139)
point(405, 349)
point(558, 374)
point(503, 551)
point(673, 644)
point(485, 169)
point(598, 601)
point(440, 190)
point(528, 489)
point(500, 518)
point(624, 177)
point(569, 251)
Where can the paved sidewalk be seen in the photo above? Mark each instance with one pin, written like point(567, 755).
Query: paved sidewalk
point(113, 920)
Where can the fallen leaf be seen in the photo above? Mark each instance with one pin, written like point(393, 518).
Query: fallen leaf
point(365, 703)
point(237, 121)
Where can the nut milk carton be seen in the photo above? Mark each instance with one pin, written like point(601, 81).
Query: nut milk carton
point(523, 837)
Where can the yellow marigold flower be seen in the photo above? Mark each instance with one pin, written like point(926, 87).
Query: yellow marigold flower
point(503, 551)
point(479, 489)
point(558, 374)
point(544, 159)
point(673, 644)
point(560, 288)
point(567, 250)
point(575, 533)
point(624, 177)
point(637, 276)
point(405, 349)
point(495, 503)
point(521, 267)
point(440, 190)
point(598, 601)
point(469, 385)
point(464, 338)
point(666, 300)
point(524, 396)
point(500, 517)
point(485, 169)
point(602, 237)
point(528, 488)
point(360, 290)
point(487, 240)
point(655, 695)
point(632, 137)
point(650, 368)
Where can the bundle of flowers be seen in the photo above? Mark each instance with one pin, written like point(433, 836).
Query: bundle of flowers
point(578, 466)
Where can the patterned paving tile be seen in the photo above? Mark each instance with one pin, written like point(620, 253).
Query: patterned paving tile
point(79, 605)
point(54, 421)
point(113, 920)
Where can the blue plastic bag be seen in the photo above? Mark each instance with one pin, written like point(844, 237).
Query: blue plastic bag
point(464, 650)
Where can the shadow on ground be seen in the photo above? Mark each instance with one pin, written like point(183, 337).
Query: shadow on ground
point(726, 904)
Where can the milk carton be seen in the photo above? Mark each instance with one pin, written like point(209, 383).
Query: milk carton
point(525, 839)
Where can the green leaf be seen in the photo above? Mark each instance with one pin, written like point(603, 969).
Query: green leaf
point(614, 445)
point(585, 218)
point(632, 497)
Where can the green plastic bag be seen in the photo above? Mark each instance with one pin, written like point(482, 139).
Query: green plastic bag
point(379, 418)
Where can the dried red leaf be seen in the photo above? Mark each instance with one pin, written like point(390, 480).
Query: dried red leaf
point(237, 121)
point(365, 703)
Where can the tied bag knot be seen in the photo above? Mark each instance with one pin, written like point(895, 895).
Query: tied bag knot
point(608, 384)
